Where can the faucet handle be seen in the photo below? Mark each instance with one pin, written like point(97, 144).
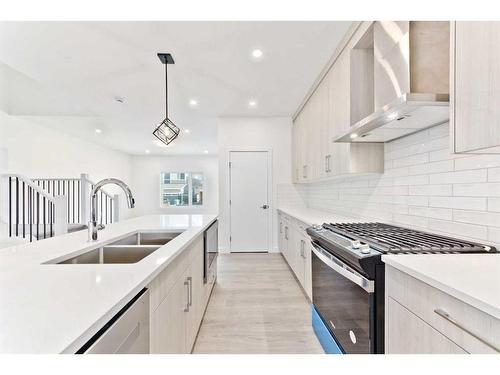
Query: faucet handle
point(100, 226)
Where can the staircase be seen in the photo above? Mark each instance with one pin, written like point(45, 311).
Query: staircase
point(35, 209)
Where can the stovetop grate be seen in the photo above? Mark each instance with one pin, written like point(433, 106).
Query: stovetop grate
point(392, 239)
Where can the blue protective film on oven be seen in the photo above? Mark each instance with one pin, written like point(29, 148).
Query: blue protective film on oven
point(323, 334)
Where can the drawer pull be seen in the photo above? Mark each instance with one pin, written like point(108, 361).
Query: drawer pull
point(443, 314)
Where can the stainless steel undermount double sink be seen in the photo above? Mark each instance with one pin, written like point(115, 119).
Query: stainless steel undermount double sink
point(130, 249)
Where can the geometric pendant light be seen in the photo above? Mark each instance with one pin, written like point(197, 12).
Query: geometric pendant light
point(167, 131)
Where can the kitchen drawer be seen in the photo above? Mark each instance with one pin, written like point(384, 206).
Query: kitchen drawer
point(418, 337)
point(300, 226)
point(161, 285)
point(428, 303)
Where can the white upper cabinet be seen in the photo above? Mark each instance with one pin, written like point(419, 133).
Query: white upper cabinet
point(475, 114)
point(327, 113)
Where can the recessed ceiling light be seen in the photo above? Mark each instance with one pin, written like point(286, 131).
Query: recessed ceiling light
point(354, 135)
point(193, 102)
point(187, 131)
point(147, 151)
point(252, 103)
point(98, 131)
point(257, 53)
point(206, 151)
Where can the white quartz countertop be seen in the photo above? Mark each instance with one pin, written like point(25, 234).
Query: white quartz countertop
point(311, 216)
point(472, 278)
point(55, 308)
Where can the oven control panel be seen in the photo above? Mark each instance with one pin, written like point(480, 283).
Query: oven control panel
point(360, 249)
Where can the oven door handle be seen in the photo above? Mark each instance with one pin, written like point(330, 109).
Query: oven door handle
point(344, 269)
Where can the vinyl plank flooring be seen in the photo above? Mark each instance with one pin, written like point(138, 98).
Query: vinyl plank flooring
point(257, 307)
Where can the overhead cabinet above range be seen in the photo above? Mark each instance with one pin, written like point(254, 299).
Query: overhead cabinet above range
point(402, 74)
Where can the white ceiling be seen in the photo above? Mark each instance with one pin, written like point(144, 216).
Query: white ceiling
point(66, 75)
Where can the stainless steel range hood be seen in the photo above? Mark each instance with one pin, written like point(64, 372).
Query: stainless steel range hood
point(408, 114)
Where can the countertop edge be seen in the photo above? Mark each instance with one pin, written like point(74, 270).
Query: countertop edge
point(94, 328)
point(445, 288)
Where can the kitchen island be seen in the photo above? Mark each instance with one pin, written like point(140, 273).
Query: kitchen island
point(56, 308)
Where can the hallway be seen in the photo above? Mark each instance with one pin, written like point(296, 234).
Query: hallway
point(256, 307)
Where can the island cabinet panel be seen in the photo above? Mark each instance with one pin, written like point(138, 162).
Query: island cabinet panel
point(180, 301)
point(168, 321)
point(434, 320)
point(475, 113)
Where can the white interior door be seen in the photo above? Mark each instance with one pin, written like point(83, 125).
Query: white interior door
point(249, 201)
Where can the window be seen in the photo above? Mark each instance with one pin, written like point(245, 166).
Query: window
point(181, 189)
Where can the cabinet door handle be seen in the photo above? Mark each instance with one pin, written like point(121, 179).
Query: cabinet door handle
point(329, 168)
point(186, 283)
point(443, 314)
point(190, 280)
point(281, 227)
point(302, 248)
point(326, 163)
point(286, 233)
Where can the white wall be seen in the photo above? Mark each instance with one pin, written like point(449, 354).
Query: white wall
point(424, 186)
point(37, 151)
point(146, 182)
point(253, 133)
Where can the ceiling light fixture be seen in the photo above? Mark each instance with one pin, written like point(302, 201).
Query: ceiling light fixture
point(252, 103)
point(193, 102)
point(206, 151)
point(354, 135)
point(147, 151)
point(257, 53)
point(98, 131)
point(187, 131)
point(167, 131)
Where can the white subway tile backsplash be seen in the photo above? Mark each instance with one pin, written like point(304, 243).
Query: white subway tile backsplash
point(494, 235)
point(415, 221)
point(444, 154)
point(477, 162)
point(494, 204)
point(424, 186)
point(494, 175)
point(434, 167)
point(412, 180)
point(432, 212)
point(439, 190)
point(466, 203)
point(477, 190)
point(479, 175)
point(411, 200)
point(459, 229)
point(477, 217)
point(411, 160)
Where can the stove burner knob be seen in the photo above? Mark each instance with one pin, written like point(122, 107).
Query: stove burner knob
point(356, 244)
point(365, 249)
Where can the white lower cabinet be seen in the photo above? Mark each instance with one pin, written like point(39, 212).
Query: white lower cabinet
point(408, 334)
point(180, 301)
point(295, 245)
point(422, 319)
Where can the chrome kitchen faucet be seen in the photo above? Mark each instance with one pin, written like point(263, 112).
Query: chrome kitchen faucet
point(93, 227)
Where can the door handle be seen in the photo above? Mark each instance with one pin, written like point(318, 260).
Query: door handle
point(190, 280)
point(264, 207)
point(186, 283)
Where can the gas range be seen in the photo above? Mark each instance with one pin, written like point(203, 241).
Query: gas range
point(362, 244)
point(348, 278)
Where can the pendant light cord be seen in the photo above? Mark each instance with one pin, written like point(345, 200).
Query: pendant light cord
point(166, 91)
